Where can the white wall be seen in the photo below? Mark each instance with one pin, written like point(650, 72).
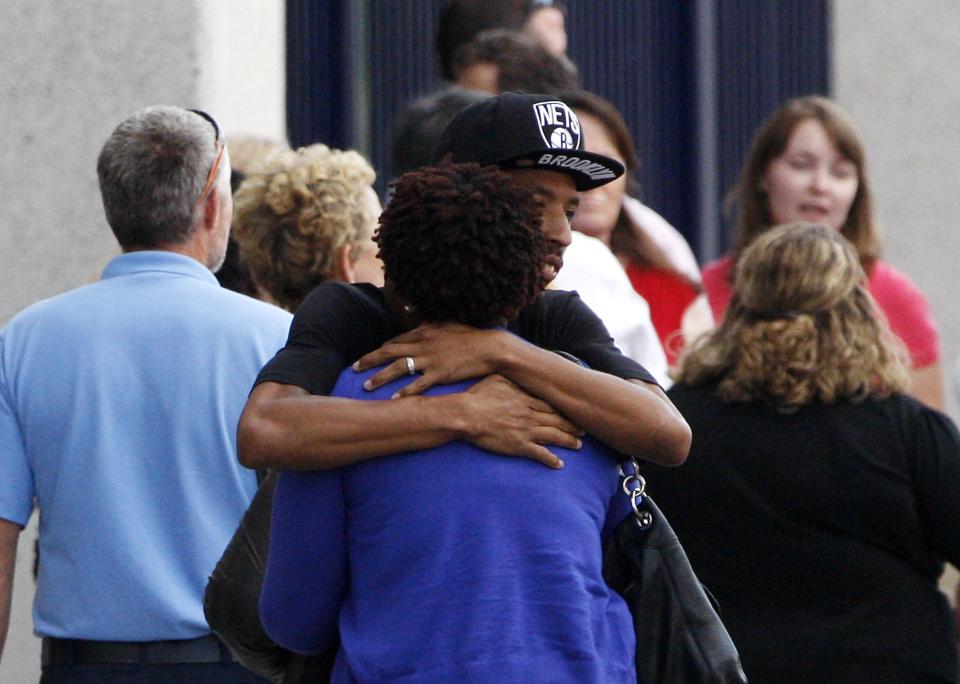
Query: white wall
point(69, 73)
point(895, 70)
point(244, 65)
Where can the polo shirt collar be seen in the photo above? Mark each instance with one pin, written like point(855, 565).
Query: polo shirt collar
point(157, 261)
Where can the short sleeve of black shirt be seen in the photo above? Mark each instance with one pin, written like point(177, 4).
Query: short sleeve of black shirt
point(334, 326)
point(339, 323)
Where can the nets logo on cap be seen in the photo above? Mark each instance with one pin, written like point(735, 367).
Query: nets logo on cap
point(559, 126)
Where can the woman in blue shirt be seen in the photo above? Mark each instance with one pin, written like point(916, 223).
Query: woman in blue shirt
point(434, 564)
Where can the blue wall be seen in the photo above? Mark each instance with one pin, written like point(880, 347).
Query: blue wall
point(694, 78)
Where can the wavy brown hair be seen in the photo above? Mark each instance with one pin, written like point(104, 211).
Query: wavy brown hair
point(801, 327)
point(295, 213)
point(463, 244)
point(753, 215)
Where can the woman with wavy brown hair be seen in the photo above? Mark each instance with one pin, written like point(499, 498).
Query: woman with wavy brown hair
point(819, 501)
point(807, 163)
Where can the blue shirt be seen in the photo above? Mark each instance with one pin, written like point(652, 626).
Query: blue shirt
point(119, 404)
point(450, 564)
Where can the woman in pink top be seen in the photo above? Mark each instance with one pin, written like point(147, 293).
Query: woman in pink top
point(807, 164)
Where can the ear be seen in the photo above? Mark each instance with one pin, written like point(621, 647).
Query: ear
point(212, 207)
point(343, 265)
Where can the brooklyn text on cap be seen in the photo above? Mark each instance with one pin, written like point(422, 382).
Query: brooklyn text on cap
point(520, 131)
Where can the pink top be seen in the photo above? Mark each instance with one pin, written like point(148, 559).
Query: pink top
point(668, 295)
point(902, 302)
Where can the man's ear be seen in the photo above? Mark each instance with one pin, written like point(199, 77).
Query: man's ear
point(211, 207)
point(343, 264)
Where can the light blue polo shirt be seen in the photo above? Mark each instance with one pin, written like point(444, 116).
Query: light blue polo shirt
point(119, 404)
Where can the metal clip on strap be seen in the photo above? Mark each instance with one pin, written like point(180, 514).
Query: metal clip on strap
point(634, 486)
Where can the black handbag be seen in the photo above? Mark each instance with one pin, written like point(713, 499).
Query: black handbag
point(680, 637)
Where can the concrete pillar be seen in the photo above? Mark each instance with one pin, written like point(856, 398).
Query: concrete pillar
point(895, 71)
point(69, 73)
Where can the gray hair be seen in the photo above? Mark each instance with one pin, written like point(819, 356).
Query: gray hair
point(152, 170)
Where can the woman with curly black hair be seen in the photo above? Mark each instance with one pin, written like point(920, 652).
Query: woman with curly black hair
point(452, 563)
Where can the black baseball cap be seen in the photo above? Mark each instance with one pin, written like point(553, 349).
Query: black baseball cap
point(521, 131)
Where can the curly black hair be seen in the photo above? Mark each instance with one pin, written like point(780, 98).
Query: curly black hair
point(463, 244)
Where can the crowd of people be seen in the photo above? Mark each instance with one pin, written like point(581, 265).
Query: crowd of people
point(418, 409)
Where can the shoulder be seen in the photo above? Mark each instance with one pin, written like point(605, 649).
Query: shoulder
point(908, 410)
point(587, 261)
point(891, 285)
point(335, 296)
point(693, 395)
point(926, 433)
point(57, 311)
point(718, 270)
point(335, 311)
point(716, 285)
point(252, 308)
point(907, 311)
point(553, 304)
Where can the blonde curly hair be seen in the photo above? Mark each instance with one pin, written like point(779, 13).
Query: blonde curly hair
point(801, 327)
point(295, 213)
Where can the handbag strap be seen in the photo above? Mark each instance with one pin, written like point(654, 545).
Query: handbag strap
point(635, 487)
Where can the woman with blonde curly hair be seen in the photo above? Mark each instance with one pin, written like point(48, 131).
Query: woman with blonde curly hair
point(819, 502)
point(307, 217)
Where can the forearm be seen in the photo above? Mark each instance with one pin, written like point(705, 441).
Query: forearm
point(634, 418)
point(284, 427)
point(9, 534)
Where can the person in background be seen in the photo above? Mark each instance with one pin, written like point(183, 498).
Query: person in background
point(836, 495)
point(545, 20)
point(460, 21)
point(460, 244)
point(502, 60)
point(662, 270)
point(119, 402)
point(419, 126)
point(807, 163)
point(307, 217)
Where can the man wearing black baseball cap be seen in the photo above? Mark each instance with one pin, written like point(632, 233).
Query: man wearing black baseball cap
point(521, 131)
point(539, 140)
point(531, 397)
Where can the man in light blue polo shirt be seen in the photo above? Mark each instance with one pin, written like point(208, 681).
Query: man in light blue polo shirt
point(119, 404)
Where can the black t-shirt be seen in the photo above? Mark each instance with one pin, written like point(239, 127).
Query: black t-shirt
point(338, 323)
point(821, 532)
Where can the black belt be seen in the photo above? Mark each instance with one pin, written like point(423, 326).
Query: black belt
point(206, 649)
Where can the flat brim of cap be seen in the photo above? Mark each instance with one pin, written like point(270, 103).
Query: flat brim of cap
point(587, 170)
